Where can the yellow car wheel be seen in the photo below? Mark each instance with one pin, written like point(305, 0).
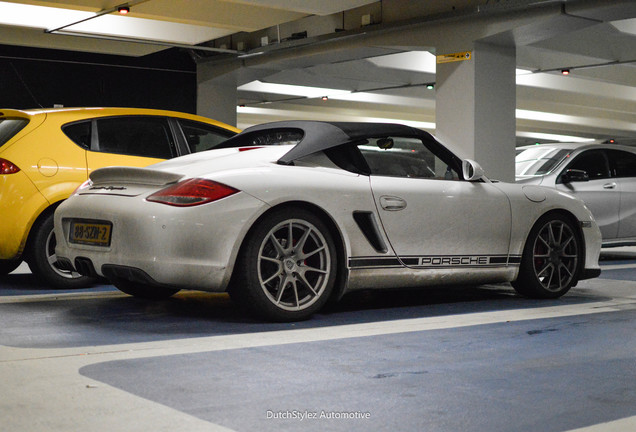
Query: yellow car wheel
point(43, 261)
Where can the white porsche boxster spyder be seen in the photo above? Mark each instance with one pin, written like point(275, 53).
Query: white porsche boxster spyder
point(286, 216)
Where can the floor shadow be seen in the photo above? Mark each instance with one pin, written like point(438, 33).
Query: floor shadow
point(118, 319)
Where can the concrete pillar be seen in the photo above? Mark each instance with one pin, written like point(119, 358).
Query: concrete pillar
point(216, 92)
point(475, 108)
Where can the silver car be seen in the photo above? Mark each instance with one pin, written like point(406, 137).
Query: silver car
point(602, 175)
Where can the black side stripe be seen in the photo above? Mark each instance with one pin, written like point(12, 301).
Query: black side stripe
point(436, 261)
point(375, 262)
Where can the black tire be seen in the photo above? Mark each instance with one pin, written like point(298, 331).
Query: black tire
point(43, 262)
point(287, 266)
point(144, 291)
point(551, 260)
point(7, 266)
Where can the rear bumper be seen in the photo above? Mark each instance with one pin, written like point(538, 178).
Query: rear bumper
point(159, 245)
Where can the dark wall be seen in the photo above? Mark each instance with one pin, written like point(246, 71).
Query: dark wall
point(34, 78)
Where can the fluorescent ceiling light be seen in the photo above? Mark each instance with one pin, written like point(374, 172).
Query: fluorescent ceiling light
point(49, 18)
point(291, 90)
point(140, 28)
point(416, 61)
point(577, 85)
point(522, 72)
point(334, 94)
point(545, 116)
point(379, 98)
point(554, 137)
point(41, 17)
point(324, 116)
point(625, 26)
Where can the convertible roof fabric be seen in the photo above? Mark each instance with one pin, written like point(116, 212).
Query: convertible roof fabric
point(319, 136)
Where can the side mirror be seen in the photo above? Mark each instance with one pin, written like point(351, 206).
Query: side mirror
point(472, 171)
point(575, 175)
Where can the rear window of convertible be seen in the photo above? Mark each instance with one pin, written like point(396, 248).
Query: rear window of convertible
point(269, 137)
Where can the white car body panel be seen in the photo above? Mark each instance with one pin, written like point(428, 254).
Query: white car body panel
point(603, 198)
point(611, 199)
point(448, 214)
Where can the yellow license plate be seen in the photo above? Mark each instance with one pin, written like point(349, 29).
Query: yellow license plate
point(90, 233)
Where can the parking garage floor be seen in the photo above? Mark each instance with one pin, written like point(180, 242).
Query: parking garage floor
point(453, 359)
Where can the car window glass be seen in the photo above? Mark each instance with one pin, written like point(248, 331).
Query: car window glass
point(9, 127)
point(538, 160)
point(79, 133)
point(267, 137)
point(623, 163)
point(593, 162)
point(404, 157)
point(136, 136)
point(201, 136)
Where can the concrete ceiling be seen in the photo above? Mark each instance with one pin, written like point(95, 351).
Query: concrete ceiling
point(373, 59)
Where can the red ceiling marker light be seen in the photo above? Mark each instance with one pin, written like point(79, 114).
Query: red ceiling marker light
point(123, 10)
point(565, 71)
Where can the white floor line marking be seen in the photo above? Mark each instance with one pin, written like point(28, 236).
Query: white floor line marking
point(284, 337)
point(622, 425)
point(27, 298)
point(618, 266)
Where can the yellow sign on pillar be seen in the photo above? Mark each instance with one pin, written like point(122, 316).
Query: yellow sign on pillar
point(460, 56)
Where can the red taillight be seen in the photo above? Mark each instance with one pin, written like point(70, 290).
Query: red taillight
point(7, 167)
point(192, 192)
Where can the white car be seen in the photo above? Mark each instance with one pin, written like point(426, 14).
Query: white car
point(602, 175)
point(288, 215)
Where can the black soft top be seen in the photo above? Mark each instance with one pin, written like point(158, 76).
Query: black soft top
point(315, 136)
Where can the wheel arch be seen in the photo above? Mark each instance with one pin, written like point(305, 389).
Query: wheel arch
point(341, 254)
point(43, 214)
point(577, 228)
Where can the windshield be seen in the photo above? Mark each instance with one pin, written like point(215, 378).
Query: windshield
point(539, 160)
point(9, 127)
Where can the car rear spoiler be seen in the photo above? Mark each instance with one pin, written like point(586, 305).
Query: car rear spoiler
point(130, 175)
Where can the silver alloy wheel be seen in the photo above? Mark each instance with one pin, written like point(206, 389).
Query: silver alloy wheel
point(555, 255)
point(294, 265)
point(52, 258)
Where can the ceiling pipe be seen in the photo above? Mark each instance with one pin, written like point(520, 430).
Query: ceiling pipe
point(97, 15)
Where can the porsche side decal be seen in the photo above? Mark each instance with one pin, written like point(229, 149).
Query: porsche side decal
point(436, 261)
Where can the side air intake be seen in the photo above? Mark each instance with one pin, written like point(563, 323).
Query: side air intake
point(369, 227)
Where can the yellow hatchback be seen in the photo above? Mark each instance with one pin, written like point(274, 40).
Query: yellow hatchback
point(46, 154)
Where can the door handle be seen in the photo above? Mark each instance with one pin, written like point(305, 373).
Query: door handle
point(391, 203)
point(611, 185)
